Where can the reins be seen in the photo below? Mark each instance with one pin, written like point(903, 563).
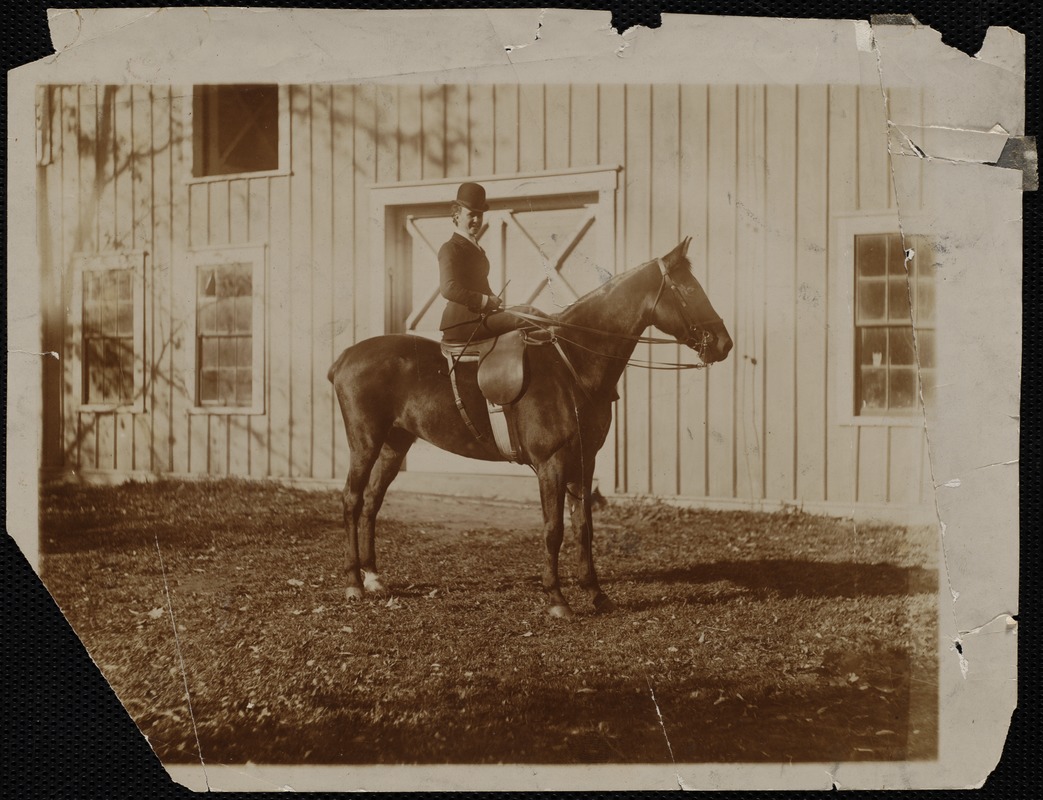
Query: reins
point(546, 324)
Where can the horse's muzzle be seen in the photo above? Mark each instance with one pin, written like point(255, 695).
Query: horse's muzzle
point(716, 346)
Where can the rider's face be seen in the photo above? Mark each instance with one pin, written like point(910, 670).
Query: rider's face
point(469, 220)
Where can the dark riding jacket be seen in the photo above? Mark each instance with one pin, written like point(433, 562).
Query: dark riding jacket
point(463, 270)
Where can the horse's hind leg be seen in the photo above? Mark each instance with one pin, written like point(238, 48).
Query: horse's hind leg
point(363, 456)
point(388, 463)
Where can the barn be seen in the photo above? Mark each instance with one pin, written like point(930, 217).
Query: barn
point(207, 250)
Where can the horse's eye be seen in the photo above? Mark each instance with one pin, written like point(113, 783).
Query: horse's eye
point(689, 290)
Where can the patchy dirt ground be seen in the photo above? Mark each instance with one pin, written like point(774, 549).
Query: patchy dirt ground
point(757, 637)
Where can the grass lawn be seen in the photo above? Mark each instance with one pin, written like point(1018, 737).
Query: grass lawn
point(740, 636)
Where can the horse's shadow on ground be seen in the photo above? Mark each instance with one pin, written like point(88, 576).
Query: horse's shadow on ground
point(793, 578)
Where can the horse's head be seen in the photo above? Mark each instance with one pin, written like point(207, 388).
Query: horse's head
point(683, 310)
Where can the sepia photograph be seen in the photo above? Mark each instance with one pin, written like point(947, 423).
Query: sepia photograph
point(455, 419)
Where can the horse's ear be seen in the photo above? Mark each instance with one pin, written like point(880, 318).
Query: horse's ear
point(684, 246)
point(675, 256)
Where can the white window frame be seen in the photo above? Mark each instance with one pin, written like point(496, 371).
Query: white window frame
point(842, 316)
point(189, 142)
point(257, 256)
point(134, 262)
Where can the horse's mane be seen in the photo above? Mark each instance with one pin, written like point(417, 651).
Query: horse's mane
point(608, 286)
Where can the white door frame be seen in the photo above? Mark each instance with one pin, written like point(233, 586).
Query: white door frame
point(384, 199)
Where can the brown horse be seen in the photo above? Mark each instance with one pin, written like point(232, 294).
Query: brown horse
point(394, 389)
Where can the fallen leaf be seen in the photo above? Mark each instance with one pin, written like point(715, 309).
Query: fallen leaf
point(318, 610)
point(295, 582)
point(156, 613)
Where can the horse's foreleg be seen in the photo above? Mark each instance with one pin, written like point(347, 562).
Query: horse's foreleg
point(388, 463)
point(552, 496)
point(583, 526)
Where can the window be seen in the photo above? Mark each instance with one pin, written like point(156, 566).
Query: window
point(110, 300)
point(228, 329)
point(894, 324)
point(108, 336)
point(224, 334)
point(236, 129)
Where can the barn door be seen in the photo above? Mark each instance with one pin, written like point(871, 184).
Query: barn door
point(542, 252)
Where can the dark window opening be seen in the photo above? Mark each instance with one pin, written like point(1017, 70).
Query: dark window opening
point(236, 129)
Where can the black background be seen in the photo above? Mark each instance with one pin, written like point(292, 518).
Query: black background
point(65, 735)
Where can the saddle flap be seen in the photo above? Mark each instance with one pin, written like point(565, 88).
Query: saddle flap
point(501, 371)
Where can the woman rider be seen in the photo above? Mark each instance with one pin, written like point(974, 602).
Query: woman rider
point(473, 312)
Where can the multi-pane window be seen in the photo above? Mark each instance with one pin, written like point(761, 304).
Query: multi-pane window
point(894, 324)
point(108, 337)
point(225, 334)
point(236, 129)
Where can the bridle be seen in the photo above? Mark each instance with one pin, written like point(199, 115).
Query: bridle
point(697, 337)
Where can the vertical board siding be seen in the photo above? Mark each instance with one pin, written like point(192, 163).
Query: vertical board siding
point(664, 211)
point(558, 115)
point(364, 172)
point(749, 321)
point(180, 223)
point(303, 275)
point(816, 174)
point(161, 263)
point(457, 131)
point(874, 194)
point(780, 315)
point(531, 128)
point(583, 126)
point(721, 188)
point(343, 211)
point(49, 216)
point(481, 125)
point(841, 461)
point(505, 138)
point(322, 282)
point(755, 175)
point(139, 169)
point(279, 345)
point(638, 204)
point(106, 153)
point(432, 130)
point(693, 211)
point(612, 148)
point(70, 244)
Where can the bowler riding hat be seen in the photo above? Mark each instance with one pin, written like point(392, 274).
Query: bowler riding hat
point(472, 196)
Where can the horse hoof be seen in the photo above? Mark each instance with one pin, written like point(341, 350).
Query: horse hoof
point(561, 612)
point(354, 594)
point(603, 604)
